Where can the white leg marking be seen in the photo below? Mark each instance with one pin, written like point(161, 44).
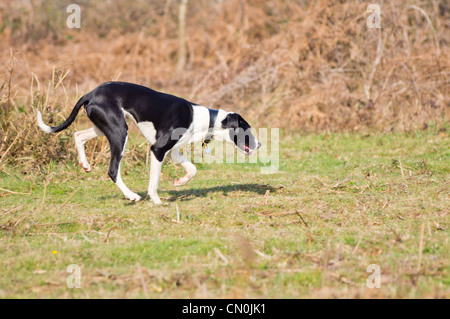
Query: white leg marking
point(190, 168)
point(119, 182)
point(125, 190)
point(155, 171)
point(81, 137)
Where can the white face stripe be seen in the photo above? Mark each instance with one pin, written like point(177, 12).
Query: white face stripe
point(220, 133)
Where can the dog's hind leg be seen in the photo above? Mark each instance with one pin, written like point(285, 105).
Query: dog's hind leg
point(81, 137)
point(115, 129)
point(114, 170)
point(190, 168)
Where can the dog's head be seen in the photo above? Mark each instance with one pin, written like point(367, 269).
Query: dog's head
point(234, 129)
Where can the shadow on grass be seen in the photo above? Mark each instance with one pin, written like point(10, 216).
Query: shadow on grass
point(188, 194)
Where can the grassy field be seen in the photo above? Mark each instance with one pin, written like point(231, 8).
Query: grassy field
point(338, 204)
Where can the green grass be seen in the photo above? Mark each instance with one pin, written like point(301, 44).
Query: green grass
point(338, 204)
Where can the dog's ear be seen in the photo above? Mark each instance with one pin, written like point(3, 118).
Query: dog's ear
point(231, 121)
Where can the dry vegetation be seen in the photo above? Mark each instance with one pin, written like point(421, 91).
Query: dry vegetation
point(300, 65)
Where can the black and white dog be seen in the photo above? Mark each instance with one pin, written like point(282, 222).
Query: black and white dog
point(167, 122)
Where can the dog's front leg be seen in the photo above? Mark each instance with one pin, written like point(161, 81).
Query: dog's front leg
point(155, 171)
point(190, 168)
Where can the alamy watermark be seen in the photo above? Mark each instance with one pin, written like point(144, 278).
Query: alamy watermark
point(374, 19)
point(74, 19)
point(74, 280)
point(374, 280)
point(233, 151)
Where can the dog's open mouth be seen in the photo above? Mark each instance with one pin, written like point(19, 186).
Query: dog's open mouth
point(248, 150)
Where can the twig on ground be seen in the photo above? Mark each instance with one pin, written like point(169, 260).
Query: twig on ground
point(109, 232)
point(304, 222)
point(266, 196)
point(401, 167)
point(67, 200)
point(419, 263)
point(12, 209)
point(340, 183)
point(221, 256)
point(11, 192)
point(142, 279)
point(54, 224)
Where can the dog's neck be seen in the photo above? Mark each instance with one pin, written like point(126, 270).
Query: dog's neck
point(212, 120)
point(201, 123)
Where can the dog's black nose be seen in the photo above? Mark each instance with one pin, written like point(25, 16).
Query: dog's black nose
point(259, 144)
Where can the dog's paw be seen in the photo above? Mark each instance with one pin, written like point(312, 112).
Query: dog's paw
point(133, 197)
point(155, 199)
point(180, 181)
point(86, 167)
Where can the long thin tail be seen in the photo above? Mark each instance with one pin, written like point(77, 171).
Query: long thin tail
point(48, 129)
